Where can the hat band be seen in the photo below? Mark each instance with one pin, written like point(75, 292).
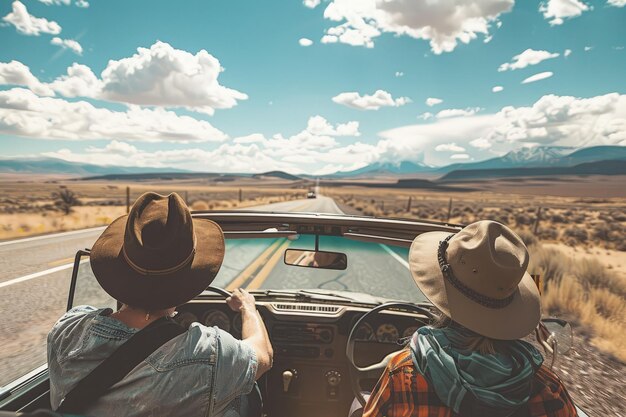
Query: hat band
point(475, 296)
point(175, 268)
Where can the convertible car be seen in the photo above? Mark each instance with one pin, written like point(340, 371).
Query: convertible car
point(335, 293)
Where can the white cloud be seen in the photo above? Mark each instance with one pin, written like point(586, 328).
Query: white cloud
point(28, 24)
point(480, 143)
point(588, 48)
point(497, 89)
point(470, 111)
point(432, 101)
point(460, 156)
point(305, 42)
point(443, 24)
point(318, 125)
point(16, 73)
point(78, 3)
point(168, 77)
point(616, 3)
point(159, 76)
point(426, 116)
point(538, 77)
point(68, 44)
point(449, 147)
point(311, 4)
point(567, 53)
point(552, 120)
point(22, 113)
point(379, 99)
point(82, 4)
point(526, 58)
point(80, 81)
point(557, 10)
point(399, 74)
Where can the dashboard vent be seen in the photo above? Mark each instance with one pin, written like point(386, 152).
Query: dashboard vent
point(307, 308)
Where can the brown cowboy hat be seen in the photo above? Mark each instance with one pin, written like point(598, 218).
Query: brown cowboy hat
point(157, 256)
point(478, 278)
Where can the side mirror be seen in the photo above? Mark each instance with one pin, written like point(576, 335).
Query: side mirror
point(557, 334)
point(316, 259)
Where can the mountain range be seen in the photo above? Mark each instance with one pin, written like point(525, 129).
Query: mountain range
point(515, 163)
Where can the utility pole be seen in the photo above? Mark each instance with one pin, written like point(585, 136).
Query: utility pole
point(537, 219)
point(408, 206)
point(127, 199)
point(449, 210)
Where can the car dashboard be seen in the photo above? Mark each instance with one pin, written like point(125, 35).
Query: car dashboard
point(310, 375)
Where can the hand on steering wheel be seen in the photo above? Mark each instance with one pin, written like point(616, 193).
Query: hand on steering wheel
point(374, 371)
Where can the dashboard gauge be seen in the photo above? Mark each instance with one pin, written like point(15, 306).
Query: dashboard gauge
point(364, 333)
point(237, 324)
point(217, 318)
point(408, 332)
point(387, 333)
point(185, 318)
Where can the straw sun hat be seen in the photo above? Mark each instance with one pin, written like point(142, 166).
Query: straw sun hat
point(478, 278)
point(157, 256)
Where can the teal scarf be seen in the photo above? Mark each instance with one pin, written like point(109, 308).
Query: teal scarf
point(497, 383)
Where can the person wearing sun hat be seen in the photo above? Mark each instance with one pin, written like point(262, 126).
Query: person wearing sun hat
point(151, 261)
point(471, 361)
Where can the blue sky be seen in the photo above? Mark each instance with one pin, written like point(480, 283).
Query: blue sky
point(277, 104)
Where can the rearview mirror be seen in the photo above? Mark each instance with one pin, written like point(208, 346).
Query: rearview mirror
point(316, 259)
point(559, 334)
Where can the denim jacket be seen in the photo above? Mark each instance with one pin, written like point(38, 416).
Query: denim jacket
point(202, 372)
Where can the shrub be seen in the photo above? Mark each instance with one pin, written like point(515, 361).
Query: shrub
point(528, 237)
point(576, 234)
point(550, 263)
point(592, 274)
point(601, 231)
point(522, 219)
point(547, 233)
point(557, 218)
point(618, 216)
point(65, 199)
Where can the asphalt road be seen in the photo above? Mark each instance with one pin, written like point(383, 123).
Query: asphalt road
point(35, 277)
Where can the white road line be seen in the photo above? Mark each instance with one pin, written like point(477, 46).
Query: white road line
point(395, 256)
point(73, 232)
point(39, 274)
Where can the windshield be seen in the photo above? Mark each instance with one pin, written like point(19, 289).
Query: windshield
point(374, 269)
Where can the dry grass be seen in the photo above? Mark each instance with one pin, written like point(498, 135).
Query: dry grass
point(28, 208)
point(586, 291)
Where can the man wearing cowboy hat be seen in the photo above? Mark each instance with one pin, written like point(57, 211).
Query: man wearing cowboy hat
point(471, 361)
point(153, 259)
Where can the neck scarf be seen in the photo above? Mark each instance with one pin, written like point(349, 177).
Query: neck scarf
point(499, 382)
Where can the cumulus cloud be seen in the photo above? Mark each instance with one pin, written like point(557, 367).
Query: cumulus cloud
point(558, 10)
point(442, 24)
point(432, 101)
point(158, 76)
point(78, 3)
point(68, 44)
point(22, 113)
point(552, 120)
point(311, 4)
point(457, 112)
point(567, 53)
point(27, 24)
point(16, 73)
point(399, 74)
point(379, 99)
point(168, 77)
point(449, 147)
point(497, 89)
point(616, 3)
point(305, 42)
point(538, 77)
point(318, 125)
point(526, 58)
point(460, 156)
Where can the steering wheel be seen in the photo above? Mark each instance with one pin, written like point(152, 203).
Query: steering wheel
point(218, 290)
point(374, 371)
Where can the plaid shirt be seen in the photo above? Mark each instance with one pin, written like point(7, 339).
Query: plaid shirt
point(403, 392)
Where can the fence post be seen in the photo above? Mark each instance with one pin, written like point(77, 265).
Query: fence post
point(186, 197)
point(408, 206)
point(240, 195)
point(537, 219)
point(382, 205)
point(127, 199)
point(449, 210)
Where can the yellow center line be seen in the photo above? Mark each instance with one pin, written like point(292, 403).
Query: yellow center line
point(61, 261)
point(250, 269)
point(268, 267)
